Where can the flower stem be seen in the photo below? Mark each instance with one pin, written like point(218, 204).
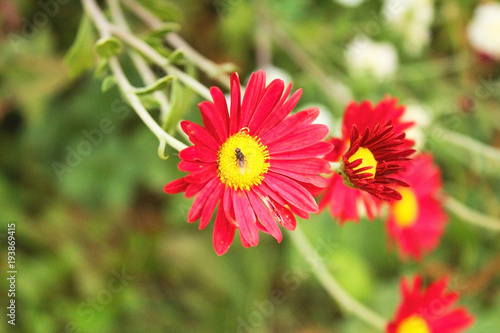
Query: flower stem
point(142, 67)
point(160, 60)
point(469, 143)
point(141, 111)
point(213, 70)
point(145, 49)
point(471, 216)
point(104, 28)
point(333, 288)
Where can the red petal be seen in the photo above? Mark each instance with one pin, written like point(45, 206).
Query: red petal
point(269, 100)
point(286, 217)
point(235, 104)
point(309, 179)
point(223, 233)
point(199, 136)
point(274, 203)
point(264, 216)
point(292, 192)
point(319, 149)
point(304, 137)
point(192, 189)
point(227, 204)
point(342, 200)
point(278, 115)
point(201, 199)
point(203, 176)
point(260, 121)
point(193, 153)
point(309, 166)
point(220, 105)
point(209, 208)
point(176, 186)
point(253, 94)
point(213, 121)
point(191, 166)
point(245, 217)
point(455, 321)
point(290, 124)
point(269, 195)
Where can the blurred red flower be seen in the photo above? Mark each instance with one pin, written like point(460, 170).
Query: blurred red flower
point(417, 221)
point(372, 152)
point(429, 311)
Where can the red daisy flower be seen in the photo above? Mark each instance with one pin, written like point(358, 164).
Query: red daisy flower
point(371, 151)
point(257, 164)
point(429, 311)
point(417, 221)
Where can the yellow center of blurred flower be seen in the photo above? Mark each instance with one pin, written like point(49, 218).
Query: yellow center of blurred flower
point(367, 160)
point(413, 324)
point(405, 210)
point(242, 161)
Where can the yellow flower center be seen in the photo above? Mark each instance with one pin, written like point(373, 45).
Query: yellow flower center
point(242, 161)
point(405, 210)
point(367, 160)
point(413, 324)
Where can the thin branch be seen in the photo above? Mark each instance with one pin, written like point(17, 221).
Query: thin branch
point(469, 143)
point(470, 215)
point(160, 60)
point(104, 28)
point(331, 285)
point(141, 65)
point(213, 70)
point(141, 111)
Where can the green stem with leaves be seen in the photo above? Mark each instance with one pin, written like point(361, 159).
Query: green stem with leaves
point(105, 29)
point(140, 64)
point(213, 70)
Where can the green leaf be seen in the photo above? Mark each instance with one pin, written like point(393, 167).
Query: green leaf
point(157, 44)
point(108, 82)
point(101, 69)
point(176, 56)
point(158, 85)
point(108, 47)
point(164, 29)
point(80, 56)
point(149, 102)
point(180, 100)
point(164, 10)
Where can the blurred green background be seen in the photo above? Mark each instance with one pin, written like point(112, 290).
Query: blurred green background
point(101, 248)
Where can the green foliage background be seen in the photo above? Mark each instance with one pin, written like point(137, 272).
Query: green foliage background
point(79, 227)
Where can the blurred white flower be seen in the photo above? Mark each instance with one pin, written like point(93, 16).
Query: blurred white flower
point(366, 57)
point(484, 29)
point(422, 117)
point(349, 3)
point(413, 20)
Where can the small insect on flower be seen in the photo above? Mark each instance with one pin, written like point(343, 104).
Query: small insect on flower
point(254, 164)
point(241, 161)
